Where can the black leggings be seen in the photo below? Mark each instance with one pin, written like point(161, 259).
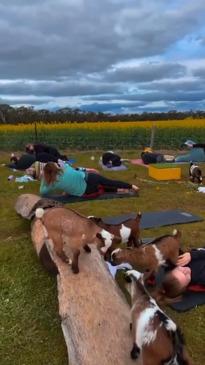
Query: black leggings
point(95, 180)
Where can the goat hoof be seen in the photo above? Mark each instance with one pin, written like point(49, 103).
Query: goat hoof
point(75, 270)
point(130, 326)
point(135, 352)
point(87, 249)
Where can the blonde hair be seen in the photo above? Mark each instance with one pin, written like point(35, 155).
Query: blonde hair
point(51, 172)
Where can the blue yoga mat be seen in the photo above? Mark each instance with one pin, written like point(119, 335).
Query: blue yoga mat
point(157, 219)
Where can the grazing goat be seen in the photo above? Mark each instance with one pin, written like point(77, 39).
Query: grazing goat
point(156, 338)
point(68, 230)
point(195, 173)
point(163, 250)
point(129, 230)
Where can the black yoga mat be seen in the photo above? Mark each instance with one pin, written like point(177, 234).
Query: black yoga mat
point(157, 219)
point(190, 299)
point(74, 199)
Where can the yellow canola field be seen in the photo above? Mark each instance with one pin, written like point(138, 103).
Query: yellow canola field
point(186, 123)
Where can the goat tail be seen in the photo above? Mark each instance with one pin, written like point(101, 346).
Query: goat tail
point(39, 213)
point(178, 343)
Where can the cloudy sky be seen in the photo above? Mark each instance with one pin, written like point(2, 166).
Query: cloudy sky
point(117, 56)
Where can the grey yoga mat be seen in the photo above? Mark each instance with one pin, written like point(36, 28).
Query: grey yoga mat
point(157, 218)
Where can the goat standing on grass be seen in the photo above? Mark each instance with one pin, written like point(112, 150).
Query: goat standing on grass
point(128, 231)
point(163, 250)
point(195, 173)
point(156, 338)
point(67, 229)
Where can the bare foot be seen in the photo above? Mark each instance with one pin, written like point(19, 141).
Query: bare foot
point(135, 188)
point(123, 190)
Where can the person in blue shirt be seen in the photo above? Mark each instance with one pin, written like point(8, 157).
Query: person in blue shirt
point(77, 182)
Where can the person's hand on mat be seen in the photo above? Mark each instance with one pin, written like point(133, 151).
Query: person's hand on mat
point(184, 259)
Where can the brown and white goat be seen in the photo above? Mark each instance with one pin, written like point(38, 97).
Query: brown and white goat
point(128, 231)
point(163, 250)
point(195, 173)
point(156, 338)
point(70, 231)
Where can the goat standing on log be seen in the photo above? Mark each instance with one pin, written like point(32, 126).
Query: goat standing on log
point(156, 338)
point(163, 250)
point(195, 173)
point(68, 230)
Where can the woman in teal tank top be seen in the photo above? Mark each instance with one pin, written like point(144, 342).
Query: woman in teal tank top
point(77, 182)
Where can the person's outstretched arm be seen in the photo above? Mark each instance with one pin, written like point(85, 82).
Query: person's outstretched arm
point(187, 257)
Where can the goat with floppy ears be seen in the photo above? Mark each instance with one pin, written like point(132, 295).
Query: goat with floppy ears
point(156, 338)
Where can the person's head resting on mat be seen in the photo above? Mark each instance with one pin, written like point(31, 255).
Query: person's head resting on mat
point(30, 148)
point(176, 281)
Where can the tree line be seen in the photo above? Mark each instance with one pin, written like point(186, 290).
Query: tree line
point(12, 115)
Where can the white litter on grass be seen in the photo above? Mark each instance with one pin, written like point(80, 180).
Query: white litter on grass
point(21, 187)
point(201, 189)
point(92, 158)
point(24, 179)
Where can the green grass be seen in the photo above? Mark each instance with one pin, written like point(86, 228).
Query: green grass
point(30, 332)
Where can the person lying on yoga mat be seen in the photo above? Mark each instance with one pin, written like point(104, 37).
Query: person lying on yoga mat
point(111, 159)
point(36, 170)
point(77, 182)
point(26, 160)
point(36, 148)
point(190, 270)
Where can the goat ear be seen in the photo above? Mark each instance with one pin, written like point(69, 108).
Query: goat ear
point(162, 299)
point(128, 279)
point(97, 219)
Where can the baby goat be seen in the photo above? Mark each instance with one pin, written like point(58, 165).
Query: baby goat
point(195, 173)
point(163, 250)
point(128, 230)
point(68, 230)
point(156, 338)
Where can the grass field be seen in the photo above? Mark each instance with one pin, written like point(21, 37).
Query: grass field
point(30, 329)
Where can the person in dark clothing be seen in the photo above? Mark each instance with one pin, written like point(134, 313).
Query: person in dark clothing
point(190, 270)
point(95, 180)
point(26, 160)
point(39, 148)
point(151, 157)
point(111, 159)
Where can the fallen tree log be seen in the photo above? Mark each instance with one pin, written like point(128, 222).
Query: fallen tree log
point(94, 314)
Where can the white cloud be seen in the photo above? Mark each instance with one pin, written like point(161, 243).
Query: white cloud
point(79, 48)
